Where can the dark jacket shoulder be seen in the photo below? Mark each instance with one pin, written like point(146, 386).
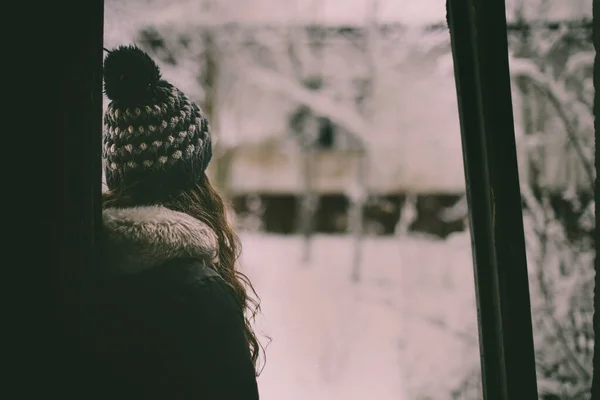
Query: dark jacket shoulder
point(174, 332)
point(162, 324)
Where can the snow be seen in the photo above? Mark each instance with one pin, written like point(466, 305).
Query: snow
point(381, 338)
point(292, 11)
point(328, 12)
point(555, 10)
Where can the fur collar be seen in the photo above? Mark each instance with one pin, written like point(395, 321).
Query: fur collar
point(141, 238)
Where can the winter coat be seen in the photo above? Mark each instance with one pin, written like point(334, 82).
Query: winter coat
point(163, 324)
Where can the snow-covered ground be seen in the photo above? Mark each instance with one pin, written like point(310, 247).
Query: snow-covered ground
point(407, 330)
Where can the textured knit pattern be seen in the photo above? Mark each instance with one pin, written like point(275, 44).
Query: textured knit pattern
point(160, 138)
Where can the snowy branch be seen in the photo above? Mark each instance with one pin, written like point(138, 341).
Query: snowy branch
point(552, 322)
point(192, 13)
point(322, 105)
point(558, 95)
point(441, 324)
point(556, 92)
point(579, 61)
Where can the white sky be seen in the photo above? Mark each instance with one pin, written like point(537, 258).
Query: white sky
point(123, 18)
point(413, 12)
point(348, 11)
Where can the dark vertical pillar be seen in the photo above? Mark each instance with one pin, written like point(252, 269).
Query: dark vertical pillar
point(479, 47)
point(51, 181)
point(78, 125)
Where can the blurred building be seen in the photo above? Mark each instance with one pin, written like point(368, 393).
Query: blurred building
point(329, 110)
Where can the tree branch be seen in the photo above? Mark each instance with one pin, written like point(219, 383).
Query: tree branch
point(558, 95)
point(553, 322)
point(322, 105)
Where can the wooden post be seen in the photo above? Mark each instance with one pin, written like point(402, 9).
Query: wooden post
point(596, 369)
point(309, 202)
point(358, 198)
point(480, 52)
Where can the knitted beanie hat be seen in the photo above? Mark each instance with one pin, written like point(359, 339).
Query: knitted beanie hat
point(155, 138)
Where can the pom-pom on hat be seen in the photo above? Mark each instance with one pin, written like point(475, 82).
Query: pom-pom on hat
point(155, 138)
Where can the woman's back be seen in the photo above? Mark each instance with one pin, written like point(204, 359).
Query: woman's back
point(167, 313)
point(166, 325)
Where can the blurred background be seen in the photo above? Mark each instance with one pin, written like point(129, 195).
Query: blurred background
point(337, 143)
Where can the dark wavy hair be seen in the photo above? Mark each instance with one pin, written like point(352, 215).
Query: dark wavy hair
point(204, 203)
